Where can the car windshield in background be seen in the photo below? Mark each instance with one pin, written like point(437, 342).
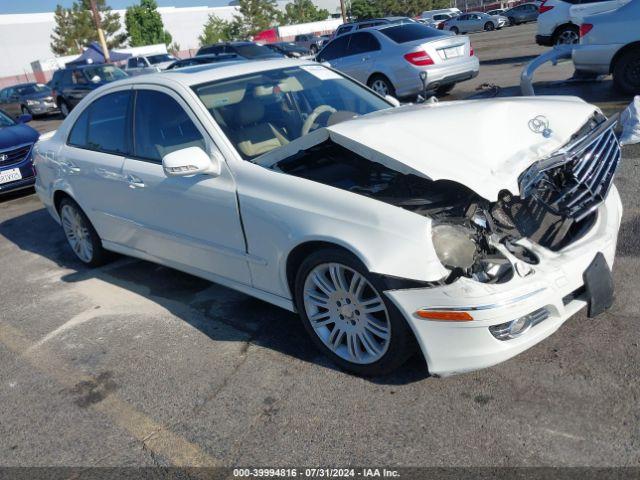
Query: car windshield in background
point(253, 51)
point(31, 89)
point(264, 111)
point(409, 32)
point(5, 121)
point(105, 73)
point(153, 59)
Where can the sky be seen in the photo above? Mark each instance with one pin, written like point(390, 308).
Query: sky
point(33, 6)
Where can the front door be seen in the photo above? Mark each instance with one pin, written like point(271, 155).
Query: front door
point(188, 221)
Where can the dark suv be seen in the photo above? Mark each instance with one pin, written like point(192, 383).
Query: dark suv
point(244, 50)
point(70, 85)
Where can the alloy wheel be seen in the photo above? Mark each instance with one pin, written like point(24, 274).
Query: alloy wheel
point(380, 86)
point(568, 37)
point(64, 109)
point(347, 313)
point(77, 233)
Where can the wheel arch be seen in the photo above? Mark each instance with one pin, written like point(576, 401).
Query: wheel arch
point(622, 51)
point(563, 25)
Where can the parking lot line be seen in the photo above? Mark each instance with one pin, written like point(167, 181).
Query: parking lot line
point(154, 436)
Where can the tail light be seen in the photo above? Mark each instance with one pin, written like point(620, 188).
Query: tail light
point(544, 8)
point(420, 58)
point(441, 26)
point(472, 52)
point(585, 28)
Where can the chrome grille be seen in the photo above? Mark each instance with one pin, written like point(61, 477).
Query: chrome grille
point(576, 179)
point(14, 155)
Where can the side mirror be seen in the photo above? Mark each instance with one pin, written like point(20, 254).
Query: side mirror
point(96, 79)
point(392, 100)
point(25, 118)
point(191, 161)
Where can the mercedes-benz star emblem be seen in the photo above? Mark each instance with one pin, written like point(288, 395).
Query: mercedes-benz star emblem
point(540, 124)
point(3, 157)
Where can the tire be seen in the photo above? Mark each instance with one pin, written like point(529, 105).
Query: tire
point(25, 110)
point(381, 85)
point(454, 30)
point(566, 35)
point(313, 49)
point(444, 89)
point(365, 344)
point(80, 234)
point(489, 26)
point(512, 21)
point(64, 109)
point(626, 72)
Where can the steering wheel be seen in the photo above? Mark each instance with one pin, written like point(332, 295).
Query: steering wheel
point(313, 116)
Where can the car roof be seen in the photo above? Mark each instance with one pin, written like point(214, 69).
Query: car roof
point(211, 72)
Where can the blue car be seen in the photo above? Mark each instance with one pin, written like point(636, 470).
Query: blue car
point(16, 145)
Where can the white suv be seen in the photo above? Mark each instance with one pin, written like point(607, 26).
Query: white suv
point(557, 24)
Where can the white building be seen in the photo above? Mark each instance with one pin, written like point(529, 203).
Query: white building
point(25, 38)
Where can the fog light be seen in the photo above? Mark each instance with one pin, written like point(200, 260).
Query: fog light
point(519, 326)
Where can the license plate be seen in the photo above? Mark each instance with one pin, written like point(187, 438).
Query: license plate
point(12, 175)
point(451, 52)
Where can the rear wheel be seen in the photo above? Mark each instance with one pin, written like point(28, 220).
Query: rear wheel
point(444, 89)
point(81, 236)
point(567, 35)
point(343, 309)
point(489, 26)
point(381, 85)
point(455, 30)
point(626, 72)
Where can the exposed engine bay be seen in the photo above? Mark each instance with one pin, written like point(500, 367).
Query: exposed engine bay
point(472, 236)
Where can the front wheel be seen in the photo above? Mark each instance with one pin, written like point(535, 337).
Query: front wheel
point(455, 30)
point(512, 21)
point(64, 109)
point(626, 72)
point(81, 236)
point(488, 27)
point(343, 309)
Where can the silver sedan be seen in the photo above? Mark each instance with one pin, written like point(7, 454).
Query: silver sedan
point(474, 22)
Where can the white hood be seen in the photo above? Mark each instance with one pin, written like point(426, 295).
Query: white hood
point(483, 144)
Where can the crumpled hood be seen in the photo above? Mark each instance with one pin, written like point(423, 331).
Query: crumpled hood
point(483, 144)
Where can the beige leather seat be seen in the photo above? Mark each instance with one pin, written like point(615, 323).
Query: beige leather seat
point(253, 135)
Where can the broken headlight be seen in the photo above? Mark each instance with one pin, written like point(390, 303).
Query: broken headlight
point(454, 245)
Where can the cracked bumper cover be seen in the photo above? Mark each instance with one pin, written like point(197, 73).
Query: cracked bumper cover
point(456, 347)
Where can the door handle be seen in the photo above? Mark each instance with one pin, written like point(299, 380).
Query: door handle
point(135, 182)
point(69, 166)
point(364, 59)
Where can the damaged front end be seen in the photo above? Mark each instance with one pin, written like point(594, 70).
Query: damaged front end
point(472, 236)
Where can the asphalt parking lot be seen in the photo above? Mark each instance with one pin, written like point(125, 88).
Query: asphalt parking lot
point(134, 364)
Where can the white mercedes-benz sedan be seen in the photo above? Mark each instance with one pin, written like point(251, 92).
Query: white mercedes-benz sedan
point(387, 228)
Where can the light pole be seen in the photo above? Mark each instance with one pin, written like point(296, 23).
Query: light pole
point(96, 21)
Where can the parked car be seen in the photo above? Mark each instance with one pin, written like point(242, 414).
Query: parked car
point(432, 14)
point(389, 58)
point(149, 63)
point(289, 182)
point(70, 85)
point(245, 50)
point(204, 60)
point(497, 11)
point(372, 22)
point(16, 145)
point(27, 98)
point(474, 22)
point(312, 43)
point(555, 26)
point(288, 49)
point(436, 20)
point(523, 13)
point(610, 43)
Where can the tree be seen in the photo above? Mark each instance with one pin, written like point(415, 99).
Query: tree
point(75, 28)
point(218, 30)
point(256, 16)
point(363, 9)
point(304, 11)
point(144, 25)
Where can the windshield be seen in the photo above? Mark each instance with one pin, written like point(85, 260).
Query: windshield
point(264, 111)
point(5, 121)
point(31, 89)
point(106, 73)
point(164, 57)
point(253, 51)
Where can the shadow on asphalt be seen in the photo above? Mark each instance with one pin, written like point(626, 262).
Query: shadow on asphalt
point(509, 60)
point(183, 295)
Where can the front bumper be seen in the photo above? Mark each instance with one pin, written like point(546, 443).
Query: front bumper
point(43, 108)
point(456, 347)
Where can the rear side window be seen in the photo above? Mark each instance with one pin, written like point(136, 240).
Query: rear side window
point(102, 126)
point(161, 126)
point(410, 32)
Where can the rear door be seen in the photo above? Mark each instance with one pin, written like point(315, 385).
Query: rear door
point(585, 8)
point(362, 52)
